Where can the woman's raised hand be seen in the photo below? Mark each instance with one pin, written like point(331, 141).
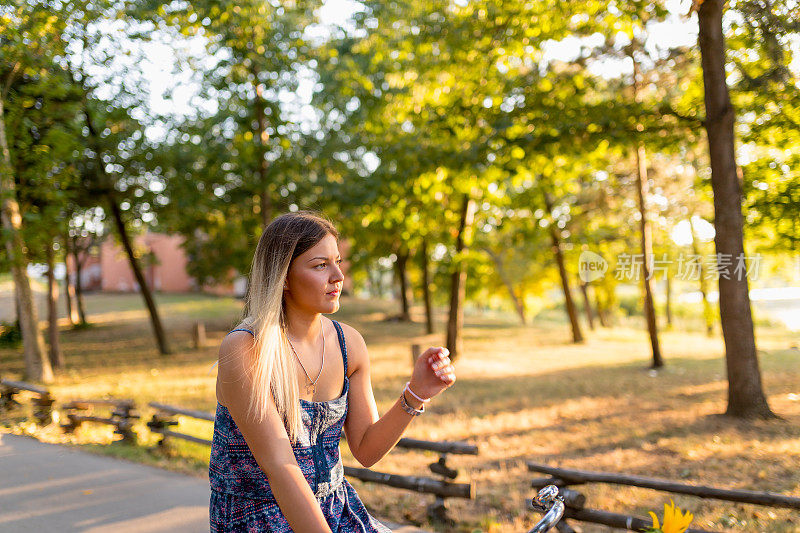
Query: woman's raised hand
point(433, 372)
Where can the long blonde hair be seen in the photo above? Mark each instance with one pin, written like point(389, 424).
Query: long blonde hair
point(273, 368)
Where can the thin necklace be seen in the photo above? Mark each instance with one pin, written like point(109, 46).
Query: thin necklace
point(311, 388)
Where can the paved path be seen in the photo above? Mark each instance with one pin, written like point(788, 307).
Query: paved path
point(49, 488)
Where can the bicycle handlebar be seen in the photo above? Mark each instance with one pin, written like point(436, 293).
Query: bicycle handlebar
point(551, 500)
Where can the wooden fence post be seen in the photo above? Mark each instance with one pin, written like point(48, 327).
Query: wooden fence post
point(199, 335)
point(416, 350)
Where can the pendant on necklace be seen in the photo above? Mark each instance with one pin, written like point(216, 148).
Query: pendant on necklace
point(311, 388)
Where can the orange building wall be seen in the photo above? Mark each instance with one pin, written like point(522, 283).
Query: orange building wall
point(109, 269)
point(168, 274)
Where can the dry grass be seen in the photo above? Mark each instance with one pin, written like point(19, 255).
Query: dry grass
point(522, 394)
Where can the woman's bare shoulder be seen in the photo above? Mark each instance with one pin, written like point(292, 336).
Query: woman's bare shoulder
point(235, 349)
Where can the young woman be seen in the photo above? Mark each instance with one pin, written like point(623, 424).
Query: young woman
point(289, 380)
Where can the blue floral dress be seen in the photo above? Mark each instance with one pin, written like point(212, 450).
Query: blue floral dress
point(241, 498)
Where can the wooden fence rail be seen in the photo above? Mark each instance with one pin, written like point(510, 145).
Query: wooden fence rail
point(122, 416)
point(442, 489)
point(164, 418)
point(42, 401)
point(615, 520)
point(576, 477)
point(564, 477)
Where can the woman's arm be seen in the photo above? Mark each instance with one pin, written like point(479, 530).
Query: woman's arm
point(267, 440)
point(369, 436)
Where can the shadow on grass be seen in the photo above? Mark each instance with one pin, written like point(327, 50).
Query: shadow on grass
point(636, 410)
point(607, 381)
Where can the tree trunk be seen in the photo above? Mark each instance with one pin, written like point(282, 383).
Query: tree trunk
point(155, 321)
point(708, 315)
point(55, 353)
point(745, 393)
point(379, 277)
point(78, 281)
point(426, 288)
point(572, 313)
point(374, 282)
point(587, 305)
point(647, 252)
point(16, 306)
point(602, 312)
point(37, 366)
point(645, 235)
point(519, 306)
point(69, 301)
point(262, 138)
point(402, 277)
point(116, 214)
point(69, 288)
point(668, 296)
point(455, 321)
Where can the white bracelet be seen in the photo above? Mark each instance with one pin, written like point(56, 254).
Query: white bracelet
point(407, 388)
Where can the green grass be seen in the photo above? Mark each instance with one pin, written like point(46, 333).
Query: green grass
point(523, 393)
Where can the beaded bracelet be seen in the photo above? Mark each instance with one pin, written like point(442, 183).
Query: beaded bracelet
point(407, 408)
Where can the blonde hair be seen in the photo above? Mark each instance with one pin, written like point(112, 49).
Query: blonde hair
point(273, 367)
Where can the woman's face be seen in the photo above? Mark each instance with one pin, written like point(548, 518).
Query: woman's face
point(314, 281)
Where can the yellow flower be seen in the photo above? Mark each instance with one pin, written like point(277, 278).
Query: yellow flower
point(674, 520)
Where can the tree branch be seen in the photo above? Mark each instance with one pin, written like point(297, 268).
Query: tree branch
point(10, 80)
point(666, 109)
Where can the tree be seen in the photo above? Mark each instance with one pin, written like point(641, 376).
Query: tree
point(227, 172)
point(745, 393)
point(766, 91)
point(455, 318)
point(29, 42)
point(113, 137)
point(572, 314)
point(55, 354)
point(42, 125)
point(80, 236)
point(424, 173)
point(645, 233)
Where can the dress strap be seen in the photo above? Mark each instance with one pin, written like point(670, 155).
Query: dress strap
point(342, 345)
point(242, 329)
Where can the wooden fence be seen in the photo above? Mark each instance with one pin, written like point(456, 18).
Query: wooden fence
point(441, 487)
point(564, 478)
